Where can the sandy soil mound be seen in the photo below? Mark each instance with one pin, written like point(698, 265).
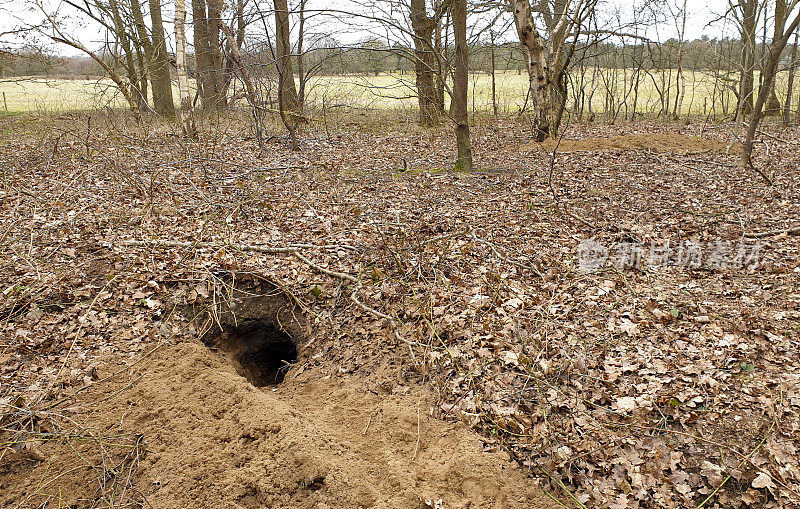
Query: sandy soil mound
point(654, 142)
point(211, 439)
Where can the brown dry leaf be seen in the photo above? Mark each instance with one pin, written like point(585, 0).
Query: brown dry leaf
point(763, 480)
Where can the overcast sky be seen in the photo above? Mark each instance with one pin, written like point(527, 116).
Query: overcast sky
point(699, 15)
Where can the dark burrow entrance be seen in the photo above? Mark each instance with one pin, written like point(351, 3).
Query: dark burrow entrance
point(256, 327)
point(259, 351)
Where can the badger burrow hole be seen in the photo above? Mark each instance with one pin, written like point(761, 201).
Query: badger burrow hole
point(259, 351)
point(257, 330)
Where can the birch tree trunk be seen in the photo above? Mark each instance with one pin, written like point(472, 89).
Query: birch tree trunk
point(492, 62)
point(187, 118)
point(460, 85)
point(537, 67)
point(680, 79)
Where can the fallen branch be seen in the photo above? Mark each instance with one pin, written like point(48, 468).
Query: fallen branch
point(762, 133)
point(294, 250)
point(761, 235)
point(210, 245)
point(14, 193)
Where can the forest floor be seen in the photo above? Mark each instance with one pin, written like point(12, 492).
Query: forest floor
point(606, 320)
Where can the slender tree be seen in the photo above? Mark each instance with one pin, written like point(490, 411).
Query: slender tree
point(787, 105)
point(287, 91)
point(745, 13)
point(539, 81)
point(187, 118)
point(160, 81)
point(773, 58)
point(460, 85)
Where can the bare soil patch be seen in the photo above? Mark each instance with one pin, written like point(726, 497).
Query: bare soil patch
point(212, 439)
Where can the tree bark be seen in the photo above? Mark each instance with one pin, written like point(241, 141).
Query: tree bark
point(440, 52)
point(423, 27)
point(492, 61)
point(460, 85)
point(301, 93)
point(144, 47)
point(773, 106)
point(160, 81)
point(748, 36)
point(680, 79)
point(787, 106)
point(287, 92)
point(208, 57)
point(187, 118)
point(537, 67)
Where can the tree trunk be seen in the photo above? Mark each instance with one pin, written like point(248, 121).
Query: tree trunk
point(460, 85)
point(494, 87)
point(160, 82)
point(287, 92)
point(770, 68)
point(558, 101)
point(537, 68)
point(425, 63)
point(787, 106)
point(187, 118)
point(748, 35)
point(250, 89)
point(440, 53)
point(773, 106)
point(208, 57)
point(301, 92)
point(680, 79)
point(144, 47)
point(130, 62)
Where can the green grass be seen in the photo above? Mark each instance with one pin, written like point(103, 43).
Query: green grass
point(394, 92)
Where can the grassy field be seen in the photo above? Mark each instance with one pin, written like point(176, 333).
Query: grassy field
point(395, 91)
point(392, 91)
point(41, 95)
